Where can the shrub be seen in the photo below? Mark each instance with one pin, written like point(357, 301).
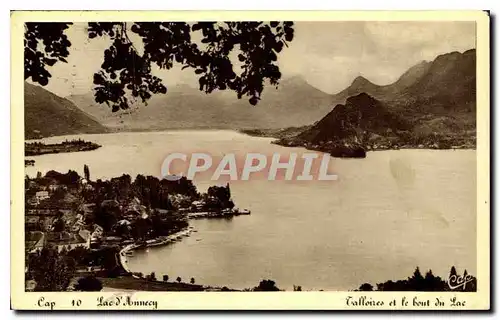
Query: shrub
point(88, 283)
point(366, 287)
point(266, 285)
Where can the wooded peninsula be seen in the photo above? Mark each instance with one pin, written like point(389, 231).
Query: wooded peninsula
point(39, 148)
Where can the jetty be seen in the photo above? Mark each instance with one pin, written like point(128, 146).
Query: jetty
point(218, 214)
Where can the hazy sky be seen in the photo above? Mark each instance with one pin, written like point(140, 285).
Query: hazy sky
point(329, 55)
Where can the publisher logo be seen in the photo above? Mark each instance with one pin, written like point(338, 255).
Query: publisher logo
point(458, 281)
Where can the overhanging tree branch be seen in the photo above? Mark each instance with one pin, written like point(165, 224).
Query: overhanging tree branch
point(126, 72)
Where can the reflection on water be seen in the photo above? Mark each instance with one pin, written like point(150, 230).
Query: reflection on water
point(384, 216)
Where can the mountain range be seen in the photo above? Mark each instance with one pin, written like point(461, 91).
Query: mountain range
point(293, 103)
point(433, 104)
point(448, 83)
point(432, 97)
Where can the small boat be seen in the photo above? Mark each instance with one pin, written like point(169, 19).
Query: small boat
point(198, 239)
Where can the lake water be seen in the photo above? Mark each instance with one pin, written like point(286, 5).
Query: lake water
point(384, 216)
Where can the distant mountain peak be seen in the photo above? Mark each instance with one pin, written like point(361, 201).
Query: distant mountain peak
point(362, 99)
point(412, 75)
point(422, 62)
point(470, 51)
point(360, 81)
point(293, 80)
point(454, 55)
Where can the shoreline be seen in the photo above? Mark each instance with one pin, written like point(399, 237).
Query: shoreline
point(281, 138)
point(359, 152)
point(191, 129)
point(163, 240)
point(142, 281)
point(133, 282)
point(246, 132)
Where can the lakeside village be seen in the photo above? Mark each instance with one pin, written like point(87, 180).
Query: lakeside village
point(79, 232)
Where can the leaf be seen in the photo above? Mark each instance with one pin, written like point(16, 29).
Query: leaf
point(135, 28)
point(196, 27)
point(44, 81)
point(50, 62)
point(98, 78)
point(202, 83)
point(253, 101)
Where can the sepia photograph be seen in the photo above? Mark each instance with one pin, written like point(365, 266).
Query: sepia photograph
point(250, 156)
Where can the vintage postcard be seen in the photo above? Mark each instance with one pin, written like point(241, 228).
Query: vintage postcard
point(250, 160)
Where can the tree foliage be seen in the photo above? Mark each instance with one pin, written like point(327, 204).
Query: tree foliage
point(151, 277)
point(267, 285)
point(366, 287)
point(126, 71)
point(88, 283)
point(55, 48)
point(429, 282)
point(86, 172)
point(51, 271)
